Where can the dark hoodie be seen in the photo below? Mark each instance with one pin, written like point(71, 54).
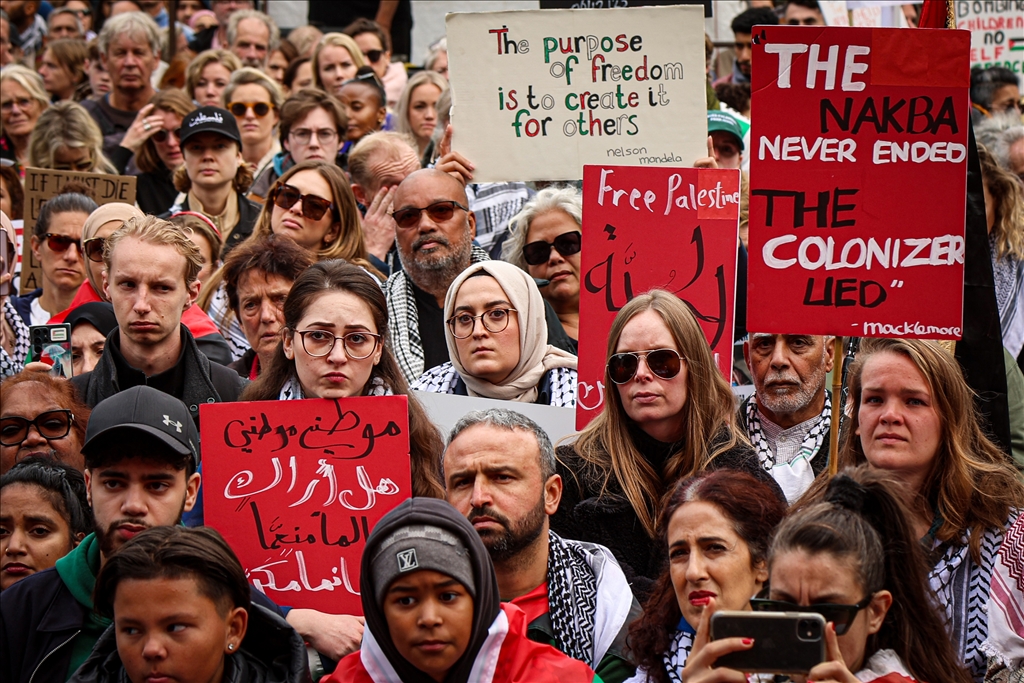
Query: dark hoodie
point(272, 652)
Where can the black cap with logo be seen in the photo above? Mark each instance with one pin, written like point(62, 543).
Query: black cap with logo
point(209, 120)
point(145, 410)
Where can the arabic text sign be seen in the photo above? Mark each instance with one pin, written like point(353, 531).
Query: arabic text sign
point(858, 182)
point(539, 93)
point(43, 184)
point(997, 32)
point(647, 228)
point(296, 487)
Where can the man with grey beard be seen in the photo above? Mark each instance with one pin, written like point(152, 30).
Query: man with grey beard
point(788, 416)
point(435, 231)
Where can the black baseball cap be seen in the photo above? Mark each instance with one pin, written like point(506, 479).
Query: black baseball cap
point(142, 410)
point(209, 120)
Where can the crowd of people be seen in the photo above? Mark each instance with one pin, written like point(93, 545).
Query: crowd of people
point(303, 229)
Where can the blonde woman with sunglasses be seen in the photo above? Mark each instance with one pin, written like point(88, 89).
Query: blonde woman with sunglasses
point(255, 100)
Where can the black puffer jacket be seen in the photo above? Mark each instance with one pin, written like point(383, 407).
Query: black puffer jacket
point(272, 652)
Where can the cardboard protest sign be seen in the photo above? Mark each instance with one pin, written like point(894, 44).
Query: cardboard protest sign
point(41, 185)
point(858, 182)
point(645, 228)
point(997, 32)
point(295, 487)
point(709, 7)
point(537, 94)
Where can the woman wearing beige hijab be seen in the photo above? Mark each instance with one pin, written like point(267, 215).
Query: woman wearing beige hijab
point(498, 341)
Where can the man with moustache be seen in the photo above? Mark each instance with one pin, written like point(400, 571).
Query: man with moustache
point(141, 454)
point(788, 417)
point(499, 471)
point(435, 231)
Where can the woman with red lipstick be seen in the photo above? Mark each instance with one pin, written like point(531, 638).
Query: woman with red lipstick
point(714, 530)
point(182, 613)
point(851, 555)
point(498, 341)
point(335, 345)
point(668, 414)
point(914, 416)
point(44, 513)
point(545, 241)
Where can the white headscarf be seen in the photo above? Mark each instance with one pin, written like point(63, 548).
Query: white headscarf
point(536, 356)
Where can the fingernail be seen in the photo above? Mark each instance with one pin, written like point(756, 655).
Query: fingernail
point(748, 641)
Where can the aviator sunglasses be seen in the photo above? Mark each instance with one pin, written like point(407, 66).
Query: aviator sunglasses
point(260, 109)
point(313, 207)
point(439, 212)
point(841, 616)
point(665, 363)
point(566, 244)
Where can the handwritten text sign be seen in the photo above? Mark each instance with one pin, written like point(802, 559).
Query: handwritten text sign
point(539, 93)
point(296, 487)
point(647, 228)
point(41, 185)
point(997, 32)
point(858, 182)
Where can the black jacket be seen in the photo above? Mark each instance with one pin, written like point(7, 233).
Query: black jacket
point(248, 212)
point(271, 652)
point(585, 514)
point(204, 382)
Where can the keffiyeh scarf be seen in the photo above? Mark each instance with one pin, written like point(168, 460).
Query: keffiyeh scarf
point(797, 475)
point(292, 390)
point(678, 651)
point(12, 365)
point(572, 598)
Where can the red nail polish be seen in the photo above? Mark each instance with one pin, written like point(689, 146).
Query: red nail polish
point(748, 641)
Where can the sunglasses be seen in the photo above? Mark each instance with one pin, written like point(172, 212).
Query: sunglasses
point(53, 424)
point(373, 55)
point(439, 212)
point(566, 244)
point(60, 243)
point(841, 616)
point(665, 363)
point(162, 135)
point(260, 109)
point(93, 248)
point(313, 207)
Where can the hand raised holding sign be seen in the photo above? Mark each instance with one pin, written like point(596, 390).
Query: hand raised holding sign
point(453, 163)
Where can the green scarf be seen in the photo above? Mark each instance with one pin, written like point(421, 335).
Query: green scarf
point(78, 570)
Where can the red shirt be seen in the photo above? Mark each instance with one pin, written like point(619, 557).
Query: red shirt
point(534, 603)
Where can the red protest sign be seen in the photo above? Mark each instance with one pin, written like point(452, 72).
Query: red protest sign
point(647, 228)
point(295, 487)
point(858, 181)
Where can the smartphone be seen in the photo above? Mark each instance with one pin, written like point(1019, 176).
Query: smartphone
point(8, 259)
point(52, 344)
point(784, 642)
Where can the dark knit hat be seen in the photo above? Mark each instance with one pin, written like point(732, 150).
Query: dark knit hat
point(417, 547)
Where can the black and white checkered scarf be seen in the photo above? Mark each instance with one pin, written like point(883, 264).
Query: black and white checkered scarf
point(572, 598)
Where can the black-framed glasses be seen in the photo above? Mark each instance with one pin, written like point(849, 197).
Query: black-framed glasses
point(566, 244)
point(373, 56)
point(357, 345)
point(323, 135)
point(494, 321)
point(313, 207)
point(61, 243)
point(93, 248)
point(439, 212)
point(665, 363)
point(53, 424)
point(841, 616)
point(260, 109)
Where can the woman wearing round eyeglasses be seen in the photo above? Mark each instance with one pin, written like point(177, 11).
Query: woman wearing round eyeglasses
point(498, 341)
point(40, 415)
point(850, 554)
point(668, 414)
point(545, 241)
point(334, 346)
point(714, 533)
point(311, 204)
point(255, 99)
point(57, 247)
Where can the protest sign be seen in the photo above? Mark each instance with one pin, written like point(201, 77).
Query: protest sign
point(43, 184)
point(858, 182)
point(611, 4)
point(644, 228)
point(295, 487)
point(539, 93)
point(997, 32)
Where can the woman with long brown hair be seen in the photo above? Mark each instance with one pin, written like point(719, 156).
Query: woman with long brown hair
point(668, 414)
point(914, 416)
point(62, 68)
point(313, 361)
